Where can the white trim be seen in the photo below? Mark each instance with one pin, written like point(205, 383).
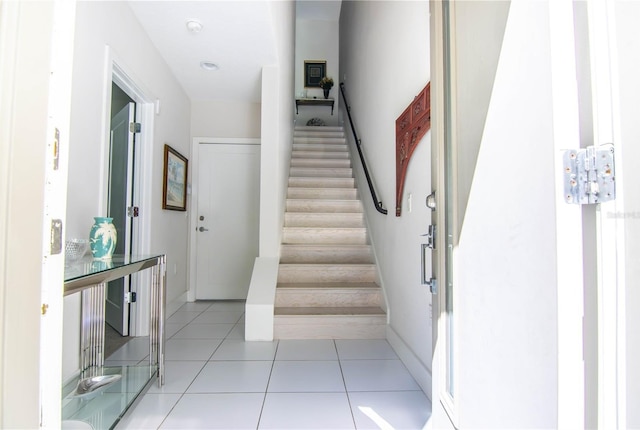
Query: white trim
point(193, 192)
point(417, 368)
point(610, 249)
point(570, 284)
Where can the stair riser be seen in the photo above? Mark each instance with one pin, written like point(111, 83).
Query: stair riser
point(318, 128)
point(320, 140)
point(326, 297)
point(303, 235)
point(322, 182)
point(322, 193)
point(320, 147)
point(315, 273)
point(329, 328)
point(319, 172)
point(302, 219)
point(321, 163)
point(323, 206)
point(320, 154)
point(301, 254)
point(319, 134)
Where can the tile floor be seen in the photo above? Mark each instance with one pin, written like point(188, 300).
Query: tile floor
point(216, 380)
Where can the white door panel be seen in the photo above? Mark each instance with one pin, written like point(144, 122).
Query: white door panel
point(120, 197)
point(228, 219)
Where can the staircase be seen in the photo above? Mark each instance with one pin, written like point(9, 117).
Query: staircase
point(327, 279)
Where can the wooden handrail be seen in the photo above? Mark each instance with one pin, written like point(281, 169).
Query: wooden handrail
point(377, 203)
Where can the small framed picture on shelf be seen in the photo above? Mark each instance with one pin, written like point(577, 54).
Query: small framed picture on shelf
point(314, 71)
point(174, 188)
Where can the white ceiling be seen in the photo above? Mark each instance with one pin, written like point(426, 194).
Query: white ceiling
point(236, 35)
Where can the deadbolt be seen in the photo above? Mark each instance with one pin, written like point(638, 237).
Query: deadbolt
point(201, 218)
point(431, 201)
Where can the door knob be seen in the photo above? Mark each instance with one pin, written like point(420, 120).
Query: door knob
point(203, 229)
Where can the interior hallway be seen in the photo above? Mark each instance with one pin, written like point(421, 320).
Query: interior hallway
point(216, 380)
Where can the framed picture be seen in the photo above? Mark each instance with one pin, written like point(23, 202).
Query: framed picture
point(174, 188)
point(314, 70)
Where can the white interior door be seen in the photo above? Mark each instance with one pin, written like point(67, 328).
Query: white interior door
point(228, 208)
point(120, 198)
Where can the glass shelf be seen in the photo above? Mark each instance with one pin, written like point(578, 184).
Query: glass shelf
point(104, 408)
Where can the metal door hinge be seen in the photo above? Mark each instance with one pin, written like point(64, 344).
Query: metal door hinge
point(56, 237)
point(132, 211)
point(130, 297)
point(589, 175)
point(135, 127)
point(44, 308)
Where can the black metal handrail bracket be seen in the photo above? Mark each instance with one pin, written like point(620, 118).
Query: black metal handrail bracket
point(377, 203)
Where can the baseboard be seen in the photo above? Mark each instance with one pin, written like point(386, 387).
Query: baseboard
point(418, 370)
point(175, 304)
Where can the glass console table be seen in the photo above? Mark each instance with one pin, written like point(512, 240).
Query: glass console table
point(85, 398)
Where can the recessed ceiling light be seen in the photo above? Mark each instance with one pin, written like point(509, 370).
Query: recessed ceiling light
point(194, 26)
point(209, 65)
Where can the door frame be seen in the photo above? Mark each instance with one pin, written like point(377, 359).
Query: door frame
point(117, 72)
point(193, 218)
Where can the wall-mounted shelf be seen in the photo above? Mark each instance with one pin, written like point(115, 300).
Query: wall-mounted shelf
point(315, 102)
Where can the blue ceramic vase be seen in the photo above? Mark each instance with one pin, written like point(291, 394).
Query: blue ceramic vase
point(103, 238)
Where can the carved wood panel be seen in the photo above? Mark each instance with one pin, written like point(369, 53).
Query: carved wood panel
point(411, 126)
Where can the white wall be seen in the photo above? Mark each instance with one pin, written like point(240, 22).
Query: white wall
point(102, 24)
point(225, 118)
point(317, 40)
point(384, 55)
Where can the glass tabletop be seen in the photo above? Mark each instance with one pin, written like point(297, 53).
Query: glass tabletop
point(87, 271)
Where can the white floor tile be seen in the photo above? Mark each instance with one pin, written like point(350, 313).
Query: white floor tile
point(202, 305)
point(215, 411)
point(314, 349)
point(306, 411)
point(204, 331)
point(235, 349)
point(377, 375)
point(149, 412)
point(237, 332)
point(218, 317)
point(134, 350)
point(178, 375)
point(172, 328)
point(190, 349)
point(391, 410)
point(233, 377)
point(365, 349)
point(183, 316)
point(227, 306)
point(306, 377)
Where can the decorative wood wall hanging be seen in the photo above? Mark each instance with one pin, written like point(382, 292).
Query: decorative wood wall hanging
point(411, 126)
